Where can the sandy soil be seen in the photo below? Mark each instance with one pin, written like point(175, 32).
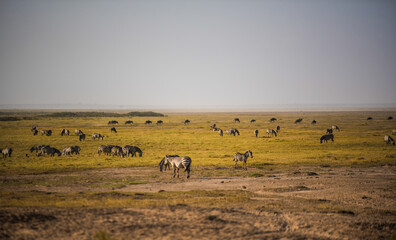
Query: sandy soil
point(366, 200)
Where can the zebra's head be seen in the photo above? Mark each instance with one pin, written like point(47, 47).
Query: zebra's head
point(250, 154)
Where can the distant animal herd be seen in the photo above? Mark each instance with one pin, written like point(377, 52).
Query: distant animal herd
point(175, 161)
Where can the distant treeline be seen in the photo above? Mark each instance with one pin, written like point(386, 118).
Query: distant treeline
point(12, 116)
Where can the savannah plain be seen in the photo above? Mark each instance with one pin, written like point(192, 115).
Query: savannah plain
point(293, 188)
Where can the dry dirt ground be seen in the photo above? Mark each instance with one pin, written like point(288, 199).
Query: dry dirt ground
point(337, 203)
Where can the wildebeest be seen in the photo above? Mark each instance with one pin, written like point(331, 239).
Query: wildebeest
point(329, 131)
point(277, 129)
point(35, 132)
point(148, 122)
point(232, 131)
point(243, 158)
point(112, 122)
point(81, 137)
point(369, 118)
point(273, 119)
point(117, 151)
point(313, 122)
point(65, 132)
point(37, 148)
point(186, 122)
point(327, 137)
point(6, 152)
point(128, 122)
point(46, 132)
point(78, 132)
point(298, 121)
point(132, 150)
point(113, 129)
point(70, 150)
point(220, 132)
point(256, 132)
point(167, 164)
point(97, 136)
point(335, 128)
point(394, 132)
point(49, 151)
point(389, 140)
point(179, 162)
point(159, 122)
point(272, 132)
point(237, 120)
point(105, 149)
point(390, 118)
point(33, 128)
point(252, 121)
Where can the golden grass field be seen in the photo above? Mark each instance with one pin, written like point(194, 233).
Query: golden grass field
point(285, 166)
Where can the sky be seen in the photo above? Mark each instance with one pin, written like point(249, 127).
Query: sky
point(166, 53)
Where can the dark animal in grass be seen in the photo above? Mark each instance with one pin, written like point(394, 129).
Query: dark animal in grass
point(49, 151)
point(389, 140)
point(369, 118)
point(113, 129)
point(327, 137)
point(220, 132)
point(298, 121)
point(106, 149)
point(97, 136)
point(37, 148)
point(256, 132)
point(243, 158)
point(112, 122)
point(128, 122)
point(329, 131)
point(65, 132)
point(132, 150)
point(117, 151)
point(213, 126)
point(33, 128)
point(159, 122)
point(35, 132)
point(313, 122)
point(148, 122)
point(273, 119)
point(277, 129)
point(81, 137)
point(236, 120)
point(6, 152)
point(390, 118)
point(186, 122)
point(162, 163)
point(46, 132)
point(71, 150)
point(232, 131)
point(252, 121)
point(78, 132)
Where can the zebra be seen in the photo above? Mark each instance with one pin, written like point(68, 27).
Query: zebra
point(112, 122)
point(329, 131)
point(298, 121)
point(232, 131)
point(113, 129)
point(252, 121)
point(326, 138)
point(394, 131)
point(6, 152)
point(272, 132)
point(160, 122)
point(243, 158)
point(167, 164)
point(105, 149)
point(117, 150)
point(186, 122)
point(71, 150)
point(313, 122)
point(236, 120)
point(215, 129)
point(46, 132)
point(277, 129)
point(335, 128)
point(273, 119)
point(37, 148)
point(389, 140)
point(81, 137)
point(128, 122)
point(97, 136)
point(33, 128)
point(132, 150)
point(179, 162)
point(65, 132)
point(213, 126)
point(220, 132)
point(35, 132)
point(256, 132)
point(78, 132)
point(49, 151)
point(148, 122)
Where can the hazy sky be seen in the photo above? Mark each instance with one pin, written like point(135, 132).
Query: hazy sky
point(197, 53)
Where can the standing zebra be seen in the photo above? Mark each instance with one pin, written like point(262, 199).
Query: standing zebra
point(271, 131)
point(220, 132)
point(327, 137)
point(277, 129)
point(232, 131)
point(256, 132)
point(243, 158)
point(179, 162)
point(389, 140)
point(335, 128)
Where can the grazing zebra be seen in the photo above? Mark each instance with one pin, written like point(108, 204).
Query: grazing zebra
point(65, 132)
point(81, 137)
point(327, 137)
point(46, 132)
point(6, 152)
point(252, 121)
point(132, 150)
point(117, 151)
point(273, 119)
point(313, 122)
point(256, 132)
point(232, 131)
point(78, 132)
point(113, 129)
point(167, 164)
point(148, 122)
point(272, 132)
point(236, 120)
point(186, 122)
point(277, 129)
point(335, 128)
point(298, 121)
point(329, 131)
point(389, 140)
point(369, 118)
point(112, 122)
point(97, 136)
point(179, 162)
point(128, 122)
point(220, 132)
point(105, 149)
point(37, 148)
point(394, 132)
point(35, 132)
point(49, 151)
point(159, 122)
point(71, 150)
point(243, 158)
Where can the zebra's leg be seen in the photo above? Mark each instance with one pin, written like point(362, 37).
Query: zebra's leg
point(174, 172)
point(188, 172)
point(236, 164)
point(178, 172)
